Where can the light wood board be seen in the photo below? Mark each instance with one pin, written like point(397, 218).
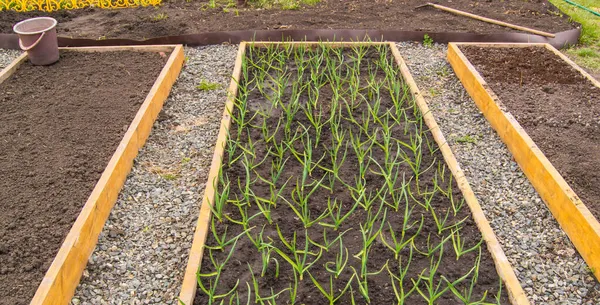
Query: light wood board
point(570, 212)
point(505, 271)
point(61, 279)
point(189, 285)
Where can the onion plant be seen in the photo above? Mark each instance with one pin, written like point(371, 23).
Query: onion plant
point(299, 258)
point(221, 240)
point(369, 232)
point(215, 276)
point(301, 195)
point(331, 294)
point(335, 213)
point(327, 244)
point(434, 288)
point(363, 283)
point(399, 280)
point(218, 205)
point(465, 295)
point(341, 260)
point(397, 244)
point(263, 300)
point(459, 244)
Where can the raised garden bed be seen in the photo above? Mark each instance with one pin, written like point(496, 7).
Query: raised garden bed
point(540, 103)
point(69, 135)
point(331, 183)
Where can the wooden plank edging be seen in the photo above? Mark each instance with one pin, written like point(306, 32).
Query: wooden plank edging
point(573, 216)
point(505, 271)
point(188, 291)
point(12, 67)
point(60, 281)
point(190, 284)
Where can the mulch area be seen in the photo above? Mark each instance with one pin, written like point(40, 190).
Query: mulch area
point(182, 17)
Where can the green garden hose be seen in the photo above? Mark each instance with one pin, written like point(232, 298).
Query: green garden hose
point(582, 7)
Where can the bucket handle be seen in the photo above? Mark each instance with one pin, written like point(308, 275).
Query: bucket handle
point(33, 45)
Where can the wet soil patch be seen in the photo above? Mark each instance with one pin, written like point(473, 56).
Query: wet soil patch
point(278, 278)
point(557, 106)
point(186, 17)
point(60, 126)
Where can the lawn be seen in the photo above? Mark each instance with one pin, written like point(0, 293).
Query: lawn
point(587, 53)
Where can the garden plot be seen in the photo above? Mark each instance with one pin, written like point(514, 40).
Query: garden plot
point(555, 110)
point(328, 186)
point(143, 249)
point(62, 125)
point(545, 261)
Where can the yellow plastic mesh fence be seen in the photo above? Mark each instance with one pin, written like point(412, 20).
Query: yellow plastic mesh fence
point(54, 5)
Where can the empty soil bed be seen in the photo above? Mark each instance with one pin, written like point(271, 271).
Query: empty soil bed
point(176, 17)
point(557, 106)
point(60, 126)
point(262, 271)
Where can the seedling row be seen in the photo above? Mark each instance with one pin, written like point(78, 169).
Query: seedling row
point(332, 191)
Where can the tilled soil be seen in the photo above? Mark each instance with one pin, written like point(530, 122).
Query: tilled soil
point(143, 249)
point(245, 256)
point(555, 104)
point(177, 17)
point(61, 125)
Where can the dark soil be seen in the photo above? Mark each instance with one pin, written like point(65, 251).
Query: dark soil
point(380, 288)
point(195, 17)
point(60, 126)
point(556, 105)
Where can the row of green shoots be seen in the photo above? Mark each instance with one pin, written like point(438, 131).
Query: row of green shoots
point(304, 118)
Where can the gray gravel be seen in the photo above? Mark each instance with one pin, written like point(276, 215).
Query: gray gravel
point(7, 56)
point(142, 252)
point(547, 264)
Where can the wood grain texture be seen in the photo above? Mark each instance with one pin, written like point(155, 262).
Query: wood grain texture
point(190, 284)
point(566, 207)
point(511, 283)
point(62, 278)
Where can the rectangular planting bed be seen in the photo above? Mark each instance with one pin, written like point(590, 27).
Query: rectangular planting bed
point(547, 111)
point(69, 134)
point(332, 183)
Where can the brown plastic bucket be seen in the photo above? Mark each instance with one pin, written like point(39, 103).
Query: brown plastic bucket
point(37, 36)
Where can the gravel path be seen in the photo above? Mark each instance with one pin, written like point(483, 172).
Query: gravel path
point(547, 265)
point(7, 56)
point(142, 252)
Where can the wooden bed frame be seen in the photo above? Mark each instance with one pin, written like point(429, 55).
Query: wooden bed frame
point(61, 279)
point(573, 216)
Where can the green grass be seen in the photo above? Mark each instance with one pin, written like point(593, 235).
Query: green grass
point(433, 92)
point(588, 57)
point(467, 139)
point(587, 53)
point(427, 41)
point(170, 177)
point(208, 86)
